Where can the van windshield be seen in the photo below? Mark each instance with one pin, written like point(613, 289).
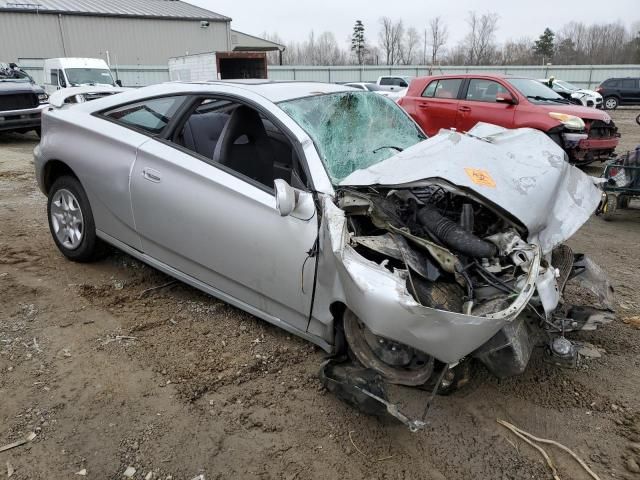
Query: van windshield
point(89, 76)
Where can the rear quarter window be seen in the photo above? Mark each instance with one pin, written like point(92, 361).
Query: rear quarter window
point(431, 89)
point(447, 88)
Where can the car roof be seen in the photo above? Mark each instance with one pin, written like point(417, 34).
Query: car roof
point(279, 91)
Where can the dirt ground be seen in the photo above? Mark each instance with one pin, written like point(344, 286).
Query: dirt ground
point(176, 384)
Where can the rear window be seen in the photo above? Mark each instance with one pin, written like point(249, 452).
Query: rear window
point(611, 83)
point(447, 88)
point(150, 116)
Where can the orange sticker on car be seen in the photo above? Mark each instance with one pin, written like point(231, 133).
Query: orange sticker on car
point(480, 177)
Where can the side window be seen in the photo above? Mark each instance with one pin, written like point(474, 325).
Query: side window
point(629, 83)
point(151, 116)
point(386, 81)
point(242, 139)
point(402, 83)
point(54, 77)
point(612, 83)
point(448, 88)
point(484, 90)
point(63, 82)
point(431, 89)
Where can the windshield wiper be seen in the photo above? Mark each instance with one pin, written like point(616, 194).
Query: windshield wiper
point(388, 146)
point(546, 99)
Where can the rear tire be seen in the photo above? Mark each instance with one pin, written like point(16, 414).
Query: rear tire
point(610, 208)
point(611, 103)
point(71, 221)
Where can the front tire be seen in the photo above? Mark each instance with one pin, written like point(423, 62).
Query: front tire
point(71, 221)
point(611, 103)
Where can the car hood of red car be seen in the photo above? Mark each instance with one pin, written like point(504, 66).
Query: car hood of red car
point(586, 113)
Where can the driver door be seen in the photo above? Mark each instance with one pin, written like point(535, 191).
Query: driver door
point(222, 228)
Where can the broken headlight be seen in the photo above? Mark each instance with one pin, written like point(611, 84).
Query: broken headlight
point(570, 121)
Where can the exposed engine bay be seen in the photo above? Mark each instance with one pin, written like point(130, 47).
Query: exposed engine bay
point(457, 253)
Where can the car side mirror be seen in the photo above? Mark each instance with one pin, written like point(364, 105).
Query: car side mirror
point(505, 98)
point(119, 82)
point(289, 199)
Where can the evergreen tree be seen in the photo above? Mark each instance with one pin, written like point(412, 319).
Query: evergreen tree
point(358, 42)
point(545, 46)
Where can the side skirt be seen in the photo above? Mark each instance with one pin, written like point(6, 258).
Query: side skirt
point(189, 280)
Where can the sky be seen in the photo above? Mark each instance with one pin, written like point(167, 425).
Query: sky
point(294, 19)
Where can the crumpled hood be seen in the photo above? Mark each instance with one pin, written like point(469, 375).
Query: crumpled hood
point(584, 91)
point(522, 171)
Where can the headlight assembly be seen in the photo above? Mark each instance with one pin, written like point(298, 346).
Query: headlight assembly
point(570, 121)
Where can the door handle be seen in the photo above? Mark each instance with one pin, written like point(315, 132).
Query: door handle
point(151, 175)
point(464, 109)
point(423, 105)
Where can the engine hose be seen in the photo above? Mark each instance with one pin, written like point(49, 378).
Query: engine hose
point(455, 236)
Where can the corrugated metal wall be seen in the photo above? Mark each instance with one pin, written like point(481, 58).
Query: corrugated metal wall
point(585, 76)
point(130, 41)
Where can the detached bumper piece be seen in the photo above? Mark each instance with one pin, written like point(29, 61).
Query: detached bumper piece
point(364, 389)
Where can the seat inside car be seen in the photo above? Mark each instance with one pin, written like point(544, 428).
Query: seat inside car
point(202, 132)
point(252, 155)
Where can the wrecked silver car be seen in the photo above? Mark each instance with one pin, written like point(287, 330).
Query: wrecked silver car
point(328, 212)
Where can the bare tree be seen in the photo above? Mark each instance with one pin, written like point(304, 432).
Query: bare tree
point(390, 39)
point(518, 52)
point(480, 41)
point(438, 35)
point(410, 46)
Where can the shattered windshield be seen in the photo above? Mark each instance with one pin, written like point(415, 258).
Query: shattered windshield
point(353, 130)
point(566, 85)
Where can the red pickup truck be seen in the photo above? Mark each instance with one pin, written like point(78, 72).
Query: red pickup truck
point(461, 101)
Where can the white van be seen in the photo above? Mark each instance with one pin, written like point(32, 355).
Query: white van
point(75, 72)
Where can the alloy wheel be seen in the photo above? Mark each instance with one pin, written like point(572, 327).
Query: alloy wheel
point(66, 219)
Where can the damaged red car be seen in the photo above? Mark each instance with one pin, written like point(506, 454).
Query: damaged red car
point(461, 101)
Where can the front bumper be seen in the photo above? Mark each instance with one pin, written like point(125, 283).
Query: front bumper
point(380, 299)
point(25, 119)
point(599, 143)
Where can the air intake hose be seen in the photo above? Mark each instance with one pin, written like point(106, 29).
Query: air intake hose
point(455, 236)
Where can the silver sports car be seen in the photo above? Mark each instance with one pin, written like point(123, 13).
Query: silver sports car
point(326, 211)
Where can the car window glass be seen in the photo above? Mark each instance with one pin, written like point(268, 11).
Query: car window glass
point(242, 139)
point(612, 83)
point(431, 89)
point(402, 83)
point(386, 81)
point(54, 77)
point(484, 90)
point(629, 83)
point(152, 115)
point(63, 82)
point(448, 88)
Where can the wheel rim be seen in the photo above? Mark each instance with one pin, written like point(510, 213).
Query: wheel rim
point(66, 219)
point(611, 103)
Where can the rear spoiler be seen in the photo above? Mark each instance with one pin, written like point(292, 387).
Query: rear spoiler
point(73, 95)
